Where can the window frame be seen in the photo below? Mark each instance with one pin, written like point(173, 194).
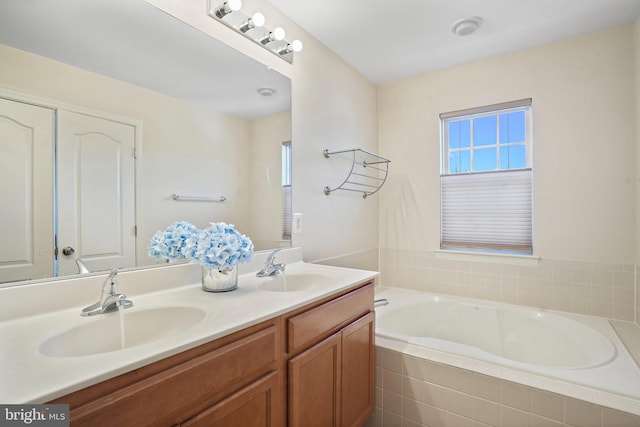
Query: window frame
point(479, 112)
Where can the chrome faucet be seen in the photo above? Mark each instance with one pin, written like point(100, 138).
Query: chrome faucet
point(270, 269)
point(110, 299)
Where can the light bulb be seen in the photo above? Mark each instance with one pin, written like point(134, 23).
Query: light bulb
point(234, 4)
point(258, 19)
point(296, 45)
point(227, 7)
point(278, 33)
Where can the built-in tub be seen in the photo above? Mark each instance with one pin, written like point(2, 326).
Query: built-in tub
point(574, 355)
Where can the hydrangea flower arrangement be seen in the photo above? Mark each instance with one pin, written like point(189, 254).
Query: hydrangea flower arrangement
point(168, 244)
point(218, 246)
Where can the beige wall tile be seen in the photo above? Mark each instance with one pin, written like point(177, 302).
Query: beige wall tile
point(413, 367)
point(486, 411)
point(487, 387)
point(392, 381)
point(583, 414)
point(392, 402)
point(537, 421)
point(547, 404)
point(391, 419)
point(611, 417)
point(460, 403)
point(414, 389)
point(392, 361)
point(510, 417)
point(516, 395)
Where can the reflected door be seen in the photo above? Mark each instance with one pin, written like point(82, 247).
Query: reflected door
point(96, 210)
point(26, 189)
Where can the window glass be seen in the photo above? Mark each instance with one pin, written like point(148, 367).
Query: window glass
point(484, 159)
point(459, 134)
point(484, 131)
point(512, 127)
point(513, 157)
point(460, 161)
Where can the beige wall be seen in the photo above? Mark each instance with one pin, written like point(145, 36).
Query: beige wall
point(334, 108)
point(584, 132)
point(265, 189)
point(185, 148)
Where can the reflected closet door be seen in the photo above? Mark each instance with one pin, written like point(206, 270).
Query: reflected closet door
point(26, 189)
point(96, 208)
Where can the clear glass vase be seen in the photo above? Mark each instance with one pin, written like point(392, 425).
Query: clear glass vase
point(214, 280)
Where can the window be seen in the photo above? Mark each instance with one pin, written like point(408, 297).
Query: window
point(286, 190)
point(486, 178)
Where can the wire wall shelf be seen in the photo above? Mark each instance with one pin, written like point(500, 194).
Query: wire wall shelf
point(367, 175)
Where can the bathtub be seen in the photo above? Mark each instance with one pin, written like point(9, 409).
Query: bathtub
point(574, 355)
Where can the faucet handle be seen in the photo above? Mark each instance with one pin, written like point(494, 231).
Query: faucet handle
point(110, 286)
point(272, 256)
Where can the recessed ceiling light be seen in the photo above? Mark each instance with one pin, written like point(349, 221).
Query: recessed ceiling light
point(466, 26)
point(266, 91)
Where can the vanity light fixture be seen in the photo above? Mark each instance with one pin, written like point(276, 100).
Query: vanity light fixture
point(252, 27)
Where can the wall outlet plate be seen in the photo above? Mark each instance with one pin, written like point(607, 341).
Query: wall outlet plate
point(297, 223)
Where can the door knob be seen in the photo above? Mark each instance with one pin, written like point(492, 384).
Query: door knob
point(68, 250)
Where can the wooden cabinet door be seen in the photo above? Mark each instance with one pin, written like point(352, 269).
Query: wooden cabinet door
point(314, 385)
point(253, 406)
point(357, 371)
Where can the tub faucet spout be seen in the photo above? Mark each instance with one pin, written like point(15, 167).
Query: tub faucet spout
point(380, 302)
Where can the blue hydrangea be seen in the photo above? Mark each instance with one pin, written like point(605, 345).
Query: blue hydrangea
point(169, 244)
point(218, 246)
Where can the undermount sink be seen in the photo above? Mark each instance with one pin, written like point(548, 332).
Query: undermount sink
point(118, 331)
point(291, 282)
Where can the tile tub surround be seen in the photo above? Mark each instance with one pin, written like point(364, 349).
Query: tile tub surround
point(605, 290)
point(413, 392)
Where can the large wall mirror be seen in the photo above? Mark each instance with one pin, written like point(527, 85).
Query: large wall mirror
point(111, 108)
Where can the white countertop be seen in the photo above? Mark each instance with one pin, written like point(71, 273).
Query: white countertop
point(27, 376)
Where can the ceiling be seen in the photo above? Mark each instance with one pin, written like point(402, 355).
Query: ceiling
point(133, 41)
point(387, 40)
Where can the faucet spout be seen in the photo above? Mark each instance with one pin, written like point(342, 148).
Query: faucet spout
point(110, 299)
point(82, 267)
point(270, 268)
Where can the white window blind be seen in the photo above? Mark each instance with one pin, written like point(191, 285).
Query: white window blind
point(286, 210)
point(487, 210)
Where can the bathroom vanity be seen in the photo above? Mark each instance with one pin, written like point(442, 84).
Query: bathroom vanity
point(314, 364)
point(262, 355)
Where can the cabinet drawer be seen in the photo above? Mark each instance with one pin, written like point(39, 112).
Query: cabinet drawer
point(317, 323)
point(249, 407)
point(164, 398)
